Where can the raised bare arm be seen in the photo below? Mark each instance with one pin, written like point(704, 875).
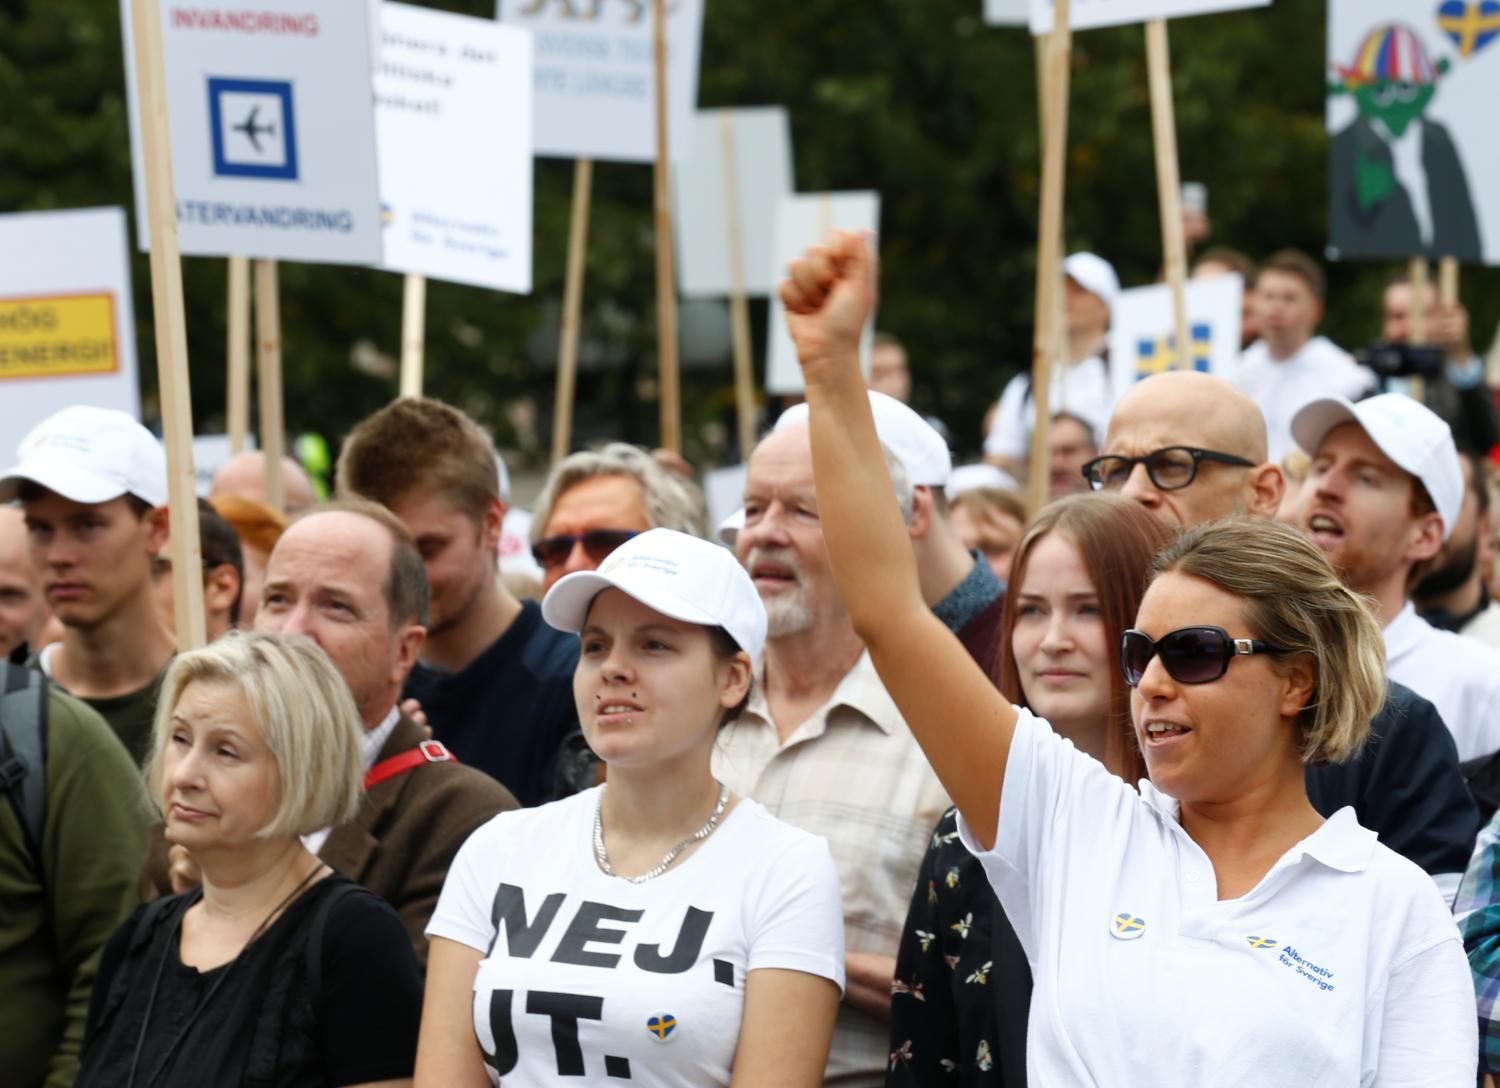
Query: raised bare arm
point(962, 723)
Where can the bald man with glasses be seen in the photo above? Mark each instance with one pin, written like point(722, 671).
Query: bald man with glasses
point(1190, 448)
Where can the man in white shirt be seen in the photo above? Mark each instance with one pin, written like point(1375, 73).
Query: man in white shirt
point(1083, 388)
point(823, 747)
point(1383, 493)
point(1289, 364)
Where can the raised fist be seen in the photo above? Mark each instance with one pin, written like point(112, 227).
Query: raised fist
point(829, 294)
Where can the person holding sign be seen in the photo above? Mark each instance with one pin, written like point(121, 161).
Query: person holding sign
point(657, 929)
point(1213, 927)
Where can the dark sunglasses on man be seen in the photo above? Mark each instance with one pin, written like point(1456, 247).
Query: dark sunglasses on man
point(1170, 468)
point(1191, 655)
point(597, 544)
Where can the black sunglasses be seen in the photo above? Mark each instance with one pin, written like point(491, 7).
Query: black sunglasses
point(1170, 468)
point(1191, 655)
point(597, 544)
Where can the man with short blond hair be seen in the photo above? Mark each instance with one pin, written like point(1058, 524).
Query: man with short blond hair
point(495, 681)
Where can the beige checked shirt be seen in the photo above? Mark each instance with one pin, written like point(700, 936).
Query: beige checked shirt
point(852, 773)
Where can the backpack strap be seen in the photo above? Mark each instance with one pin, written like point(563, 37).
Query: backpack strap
point(23, 751)
point(315, 937)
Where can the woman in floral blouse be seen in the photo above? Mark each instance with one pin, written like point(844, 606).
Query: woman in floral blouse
point(962, 987)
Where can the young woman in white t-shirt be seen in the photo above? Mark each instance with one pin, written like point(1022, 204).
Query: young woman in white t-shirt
point(1213, 928)
point(656, 930)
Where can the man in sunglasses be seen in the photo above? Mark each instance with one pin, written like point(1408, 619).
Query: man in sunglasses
point(1383, 494)
point(495, 681)
point(1190, 448)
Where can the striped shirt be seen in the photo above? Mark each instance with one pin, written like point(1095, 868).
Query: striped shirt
point(1477, 910)
point(852, 773)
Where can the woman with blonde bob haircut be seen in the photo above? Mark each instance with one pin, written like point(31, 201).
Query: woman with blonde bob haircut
point(276, 970)
point(1213, 928)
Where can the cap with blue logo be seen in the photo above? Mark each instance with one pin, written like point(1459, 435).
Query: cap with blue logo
point(675, 574)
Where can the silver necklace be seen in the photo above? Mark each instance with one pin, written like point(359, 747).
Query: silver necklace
point(602, 856)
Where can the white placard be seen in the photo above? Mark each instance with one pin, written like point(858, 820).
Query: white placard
point(596, 75)
point(273, 130)
point(67, 327)
point(761, 142)
point(1414, 166)
point(724, 490)
point(453, 116)
point(802, 221)
point(1087, 14)
point(210, 452)
point(1007, 12)
point(1143, 340)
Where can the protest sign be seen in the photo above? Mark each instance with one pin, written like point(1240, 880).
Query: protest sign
point(1142, 340)
point(1007, 12)
point(1088, 14)
point(1414, 168)
point(801, 221)
point(595, 93)
point(453, 120)
point(758, 142)
point(273, 135)
point(67, 330)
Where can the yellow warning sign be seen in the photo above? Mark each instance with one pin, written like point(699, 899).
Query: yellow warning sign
point(57, 336)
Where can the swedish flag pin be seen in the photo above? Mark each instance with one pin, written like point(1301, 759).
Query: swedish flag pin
point(1126, 926)
point(661, 1027)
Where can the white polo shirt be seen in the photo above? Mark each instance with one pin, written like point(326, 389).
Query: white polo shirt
point(1457, 674)
point(1084, 389)
point(1341, 967)
point(1281, 386)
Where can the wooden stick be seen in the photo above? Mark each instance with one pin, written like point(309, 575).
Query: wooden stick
point(238, 353)
point(1169, 184)
point(825, 215)
point(413, 332)
point(572, 315)
point(1049, 250)
point(666, 278)
point(171, 327)
point(268, 368)
point(1416, 332)
point(739, 304)
point(1448, 281)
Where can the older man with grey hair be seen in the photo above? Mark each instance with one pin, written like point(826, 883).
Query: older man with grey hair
point(595, 500)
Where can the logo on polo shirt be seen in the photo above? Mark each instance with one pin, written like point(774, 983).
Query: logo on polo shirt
point(661, 1027)
point(1261, 942)
point(1126, 926)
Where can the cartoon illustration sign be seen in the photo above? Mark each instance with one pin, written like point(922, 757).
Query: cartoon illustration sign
point(1414, 169)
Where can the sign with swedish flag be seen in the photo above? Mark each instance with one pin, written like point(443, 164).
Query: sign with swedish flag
point(1143, 340)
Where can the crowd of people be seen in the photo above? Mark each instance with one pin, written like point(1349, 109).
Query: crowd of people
point(1188, 776)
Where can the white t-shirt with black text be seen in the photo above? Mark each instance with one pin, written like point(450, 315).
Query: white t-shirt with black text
point(589, 979)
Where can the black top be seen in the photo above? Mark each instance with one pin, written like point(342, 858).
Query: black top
point(508, 712)
point(1405, 786)
point(276, 1016)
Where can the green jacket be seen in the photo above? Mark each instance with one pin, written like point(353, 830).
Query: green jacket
point(53, 924)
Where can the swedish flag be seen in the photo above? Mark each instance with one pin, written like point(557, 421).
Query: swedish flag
point(1160, 354)
point(1127, 926)
point(1472, 26)
point(1261, 942)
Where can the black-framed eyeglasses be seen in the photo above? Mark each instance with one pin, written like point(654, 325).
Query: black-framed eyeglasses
point(597, 544)
point(1170, 468)
point(1191, 655)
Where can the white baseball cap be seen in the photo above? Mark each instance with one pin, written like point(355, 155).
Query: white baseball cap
point(678, 575)
point(1095, 275)
point(90, 455)
point(729, 529)
point(969, 477)
point(1407, 432)
point(904, 432)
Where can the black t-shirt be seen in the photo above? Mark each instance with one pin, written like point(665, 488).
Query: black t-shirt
point(273, 1020)
point(508, 712)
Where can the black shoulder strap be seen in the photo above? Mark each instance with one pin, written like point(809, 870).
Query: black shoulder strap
point(23, 750)
point(315, 937)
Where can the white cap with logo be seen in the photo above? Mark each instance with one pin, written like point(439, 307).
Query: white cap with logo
point(1407, 431)
point(675, 574)
point(90, 455)
point(1095, 275)
point(904, 432)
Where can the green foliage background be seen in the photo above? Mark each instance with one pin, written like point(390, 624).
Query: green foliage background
point(919, 100)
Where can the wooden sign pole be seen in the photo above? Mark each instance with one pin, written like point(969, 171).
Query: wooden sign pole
point(572, 315)
point(1168, 184)
point(666, 279)
point(238, 354)
point(413, 332)
point(268, 369)
point(171, 326)
point(1049, 250)
point(1416, 332)
point(739, 304)
point(1448, 281)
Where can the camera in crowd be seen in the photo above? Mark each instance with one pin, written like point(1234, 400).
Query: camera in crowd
point(1390, 360)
